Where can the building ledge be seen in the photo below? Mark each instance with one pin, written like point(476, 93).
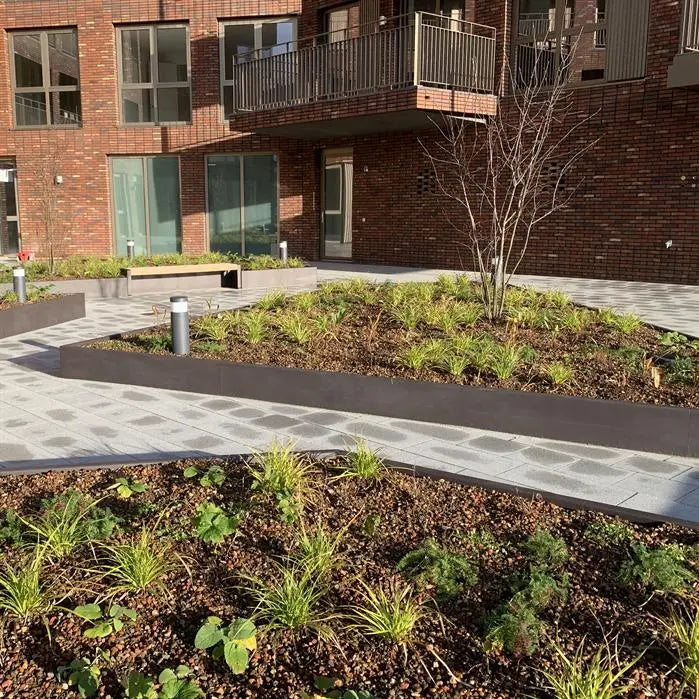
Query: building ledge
point(408, 109)
point(684, 71)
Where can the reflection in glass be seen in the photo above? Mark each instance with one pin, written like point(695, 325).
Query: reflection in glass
point(173, 104)
point(164, 205)
point(65, 108)
point(172, 54)
point(137, 106)
point(129, 204)
point(260, 212)
point(223, 172)
point(27, 55)
point(135, 55)
point(30, 108)
point(63, 64)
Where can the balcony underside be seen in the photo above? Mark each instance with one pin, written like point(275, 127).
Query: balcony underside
point(684, 71)
point(409, 109)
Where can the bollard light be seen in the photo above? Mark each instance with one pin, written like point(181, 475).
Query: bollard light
point(19, 284)
point(283, 251)
point(179, 324)
point(130, 247)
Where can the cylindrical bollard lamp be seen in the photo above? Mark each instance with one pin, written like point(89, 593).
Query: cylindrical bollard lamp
point(130, 247)
point(179, 324)
point(19, 284)
point(283, 251)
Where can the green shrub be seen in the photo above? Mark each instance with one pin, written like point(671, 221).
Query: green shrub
point(409, 314)
point(126, 488)
point(683, 370)
point(445, 316)
point(173, 685)
point(505, 360)
point(11, 530)
point(575, 319)
point(541, 590)
point(557, 299)
point(233, 643)
point(104, 623)
point(415, 357)
point(558, 373)
point(515, 630)
point(609, 533)
point(213, 524)
point(436, 567)
point(265, 262)
point(625, 324)
point(597, 678)
point(305, 301)
point(85, 674)
point(543, 549)
point(662, 569)
point(331, 688)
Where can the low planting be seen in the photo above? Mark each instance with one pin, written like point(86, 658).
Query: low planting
point(82, 267)
point(431, 588)
point(438, 332)
point(35, 294)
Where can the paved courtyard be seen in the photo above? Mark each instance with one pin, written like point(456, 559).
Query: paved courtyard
point(48, 421)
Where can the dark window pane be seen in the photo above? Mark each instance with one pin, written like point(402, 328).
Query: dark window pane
point(260, 205)
point(65, 107)
point(172, 54)
point(12, 238)
point(227, 101)
point(173, 104)
point(238, 39)
point(10, 200)
point(223, 186)
point(27, 50)
point(63, 59)
point(135, 55)
point(137, 106)
point(30, 109)
point(164, 205)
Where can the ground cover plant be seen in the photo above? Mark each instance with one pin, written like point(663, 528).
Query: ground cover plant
point(438, 332)
point(386, 587)
point(81, 267)
point(34, 295)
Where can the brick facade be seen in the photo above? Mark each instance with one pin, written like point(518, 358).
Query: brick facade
point(641, 184)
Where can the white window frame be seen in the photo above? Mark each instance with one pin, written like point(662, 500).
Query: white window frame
point(257, 22)
point(154, 84)
point(46, 88)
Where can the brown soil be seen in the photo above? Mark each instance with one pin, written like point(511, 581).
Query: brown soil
point(5, 304)
point(410, 509)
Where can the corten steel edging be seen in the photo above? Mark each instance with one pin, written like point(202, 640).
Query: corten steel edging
point(565, 501)
point(663, 429)
point(24, 318)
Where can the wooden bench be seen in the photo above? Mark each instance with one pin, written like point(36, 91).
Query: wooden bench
point(157, 272)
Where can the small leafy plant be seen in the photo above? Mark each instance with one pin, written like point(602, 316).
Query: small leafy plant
point(126, 488)
point(436, 567)
point(233, 643)
point(331, 687)
point(85, 674)
point(663, 569)
point(213, 524)
point(210, 477)
point(104, 623)
point(173, 685)
point(11, 530)
point(544, 549)
point(609, 533)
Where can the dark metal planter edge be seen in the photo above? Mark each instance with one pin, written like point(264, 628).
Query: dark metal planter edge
point(28, 317)
point(635, 426)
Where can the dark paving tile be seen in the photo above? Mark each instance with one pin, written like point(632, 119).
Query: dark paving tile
point(582, 450)
point(14, 452)
point(275, 422)
point(137, 396)
point(585, 467)
point(218, 404)
point(204, 442)
point(17, 422)
point(323, 417)
point(546, 457)
point(246, 413)
point(652, 466)
point(61, 415)
point(104, 431)
point(446, 434)
point(496, 445)
point(59, 442)
point(309, 430)
point(377, 432)
point(148, 420)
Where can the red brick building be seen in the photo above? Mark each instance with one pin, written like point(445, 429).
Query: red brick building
point(221, 124)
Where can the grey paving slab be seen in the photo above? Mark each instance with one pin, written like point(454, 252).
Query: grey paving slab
point(47, 421)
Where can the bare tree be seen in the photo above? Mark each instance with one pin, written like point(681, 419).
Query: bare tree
point(53, 227)
point(510, 173)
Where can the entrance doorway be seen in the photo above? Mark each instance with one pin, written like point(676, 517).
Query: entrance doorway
point(9, 220)
point(336, 195)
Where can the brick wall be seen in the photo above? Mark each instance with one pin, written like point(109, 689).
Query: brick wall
point(641, 184)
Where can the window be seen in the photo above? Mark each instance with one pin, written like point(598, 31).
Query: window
point(146, 204)
point(242, 204)
point(245, 41)
point(154, 74)
point(600, 16)
point(45, 78)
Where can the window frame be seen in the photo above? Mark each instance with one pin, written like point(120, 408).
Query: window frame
point(46, 88)
point(146, 208)
point(277, 184)
point(558, 34)
point(154, 83)
point(257, 22)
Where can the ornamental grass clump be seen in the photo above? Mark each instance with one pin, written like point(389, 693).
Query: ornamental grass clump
point(254, 326)
point(558, 374)
point(505, 360)
point(297, 327)
point(272, 300)
point(682, 630)
point(318, 549)
point(214, 328)
point(599, 677)
point(362, 462)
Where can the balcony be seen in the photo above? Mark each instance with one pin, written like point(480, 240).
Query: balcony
point(684, 71)
point(391, 76)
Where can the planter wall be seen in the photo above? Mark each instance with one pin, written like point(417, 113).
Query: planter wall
point(641, 427)
point(278, 278)
point(180, 282)
point(109, 288)
point(24, 318)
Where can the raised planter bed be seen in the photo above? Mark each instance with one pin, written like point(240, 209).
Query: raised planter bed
point(282, 278)
point(106, 288)
point(26, 317)
point(663, 429)
point(503, 543)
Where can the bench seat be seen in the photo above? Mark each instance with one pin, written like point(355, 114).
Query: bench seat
point(171, 270)
point(157, 278)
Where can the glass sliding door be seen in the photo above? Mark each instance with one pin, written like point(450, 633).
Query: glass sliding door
point(9, 220)
point(337, 204)
point(146, 204)
point(242, 204)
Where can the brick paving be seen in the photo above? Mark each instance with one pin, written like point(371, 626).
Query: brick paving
point(46, 421)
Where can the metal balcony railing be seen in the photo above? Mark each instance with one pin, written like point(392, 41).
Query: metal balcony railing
point(690, 26)
point(403, 51)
